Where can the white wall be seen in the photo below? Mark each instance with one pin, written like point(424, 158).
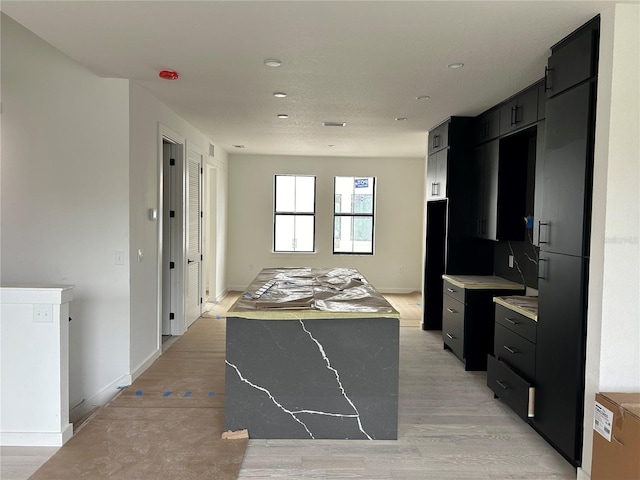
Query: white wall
point(146, 115)
point(65, 197)
point(613, 333)
point(396, 265)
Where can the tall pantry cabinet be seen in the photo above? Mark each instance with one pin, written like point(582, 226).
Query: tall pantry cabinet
point(563, 231)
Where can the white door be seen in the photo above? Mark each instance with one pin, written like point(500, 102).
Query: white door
point(194, 294)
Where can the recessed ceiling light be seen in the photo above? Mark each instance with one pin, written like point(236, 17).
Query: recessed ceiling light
point(272, 62)
point(401, 119)
point(238, 146)
point(331, 145)
point(280, 94)
point(283, 115)
point(423, 97)
point(455, 65)
point(334, 124)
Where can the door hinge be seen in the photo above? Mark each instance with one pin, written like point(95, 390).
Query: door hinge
point(201, 214)
point(172, 265)
point(201, 170)
point(200, 257)
point(200, 299)
point(172, 213)
point(172, 162)
point(172, 316)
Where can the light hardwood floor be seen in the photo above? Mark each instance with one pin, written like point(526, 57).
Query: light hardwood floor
point(451, 427)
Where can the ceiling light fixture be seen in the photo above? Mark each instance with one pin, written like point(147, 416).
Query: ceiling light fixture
point(279, 94)
point(455, 65)
point(283, 115)
point(331, 145)
point(423, 97)
point(272, 62)
point(401, 119)
point(238, 146)
point(168, 74)
point(334, 124)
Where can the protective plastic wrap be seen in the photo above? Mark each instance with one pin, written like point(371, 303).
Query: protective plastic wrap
point(311, 293)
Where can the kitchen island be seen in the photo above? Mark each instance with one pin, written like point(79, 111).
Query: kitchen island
point(312, 353)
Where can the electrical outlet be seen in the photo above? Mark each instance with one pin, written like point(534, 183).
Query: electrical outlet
point(119, 257)
point(510, 261)
point(42, 313)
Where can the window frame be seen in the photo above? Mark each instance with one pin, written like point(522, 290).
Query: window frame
point(293, 213)
point(354, 215)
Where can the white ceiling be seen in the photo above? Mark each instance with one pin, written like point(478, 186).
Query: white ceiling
point(360, 62)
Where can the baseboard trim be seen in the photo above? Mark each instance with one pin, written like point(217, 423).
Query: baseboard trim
point(36, 439)
point(100, 399)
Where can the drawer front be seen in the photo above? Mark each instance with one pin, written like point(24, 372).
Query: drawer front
point(516, 322)
point(515, 350)
point(454, 311)
point(453, 291)
point(513, 390)
point(452, 337)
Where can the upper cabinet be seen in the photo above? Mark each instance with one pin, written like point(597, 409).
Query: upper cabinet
point(437, 176)
point(572, 61)
point(487, 126)
point(439, 137)
point(519, 111)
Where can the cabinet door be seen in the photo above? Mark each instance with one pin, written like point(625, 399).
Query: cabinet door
point(538, 193)
point(542, 102)
point(560, 350)
point(437, 175)
point(487, 126)
point(438, 138)
point(563, 222)
point(520, 111)
point(572, 62)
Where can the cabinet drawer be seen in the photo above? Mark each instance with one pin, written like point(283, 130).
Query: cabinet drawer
point(516, 322)
point(452, 337)
point(513, 390)
point(453, 310)
point(520, 111)
point(453, 291)
point(515, 350)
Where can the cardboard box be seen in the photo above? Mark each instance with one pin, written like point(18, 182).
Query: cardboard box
point(616, 437)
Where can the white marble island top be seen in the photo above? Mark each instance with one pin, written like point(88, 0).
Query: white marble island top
point(482, 282)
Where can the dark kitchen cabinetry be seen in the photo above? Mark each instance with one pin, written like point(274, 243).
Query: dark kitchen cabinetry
point(563, 235)
point(487, 126)
point(468, 318)
point(573, 60)
point(437, 175)
point(486, 171)
point(564, 218)
point(519, 111)
point(449, 244)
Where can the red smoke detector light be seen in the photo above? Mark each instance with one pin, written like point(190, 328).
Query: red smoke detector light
point(168, 75)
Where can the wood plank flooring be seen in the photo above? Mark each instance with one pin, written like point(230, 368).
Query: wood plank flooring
point(451, 427)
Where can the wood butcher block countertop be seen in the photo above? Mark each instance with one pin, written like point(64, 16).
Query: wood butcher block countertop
point(527, 306)
point(482, 282)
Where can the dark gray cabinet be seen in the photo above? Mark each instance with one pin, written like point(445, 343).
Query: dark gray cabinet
point(486, 171)
point(519, 111)
point(487, 126)
point(439, 137)
point(437, 175)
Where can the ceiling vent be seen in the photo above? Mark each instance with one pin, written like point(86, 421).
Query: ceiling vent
point(334, 124)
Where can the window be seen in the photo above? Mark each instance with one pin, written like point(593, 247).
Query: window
point(294, 216)
point(354, 200)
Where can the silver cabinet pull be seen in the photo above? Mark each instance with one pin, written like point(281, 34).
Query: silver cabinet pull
point(451, 290)
point(510, 350)
point(502, 384)
point(450, 336)
point(451, 310)
point(512, 322)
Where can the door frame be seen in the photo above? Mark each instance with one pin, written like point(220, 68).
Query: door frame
point(191, 148)
point(177, 289)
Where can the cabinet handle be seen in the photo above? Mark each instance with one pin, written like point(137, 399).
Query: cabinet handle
point(547, 84)
point(450, 336)
point(436, 141)
point(513, 115)
point(512, 322)
point(451, 310)
point(540, 224)
point(502, 384)
point(510, 350)
point(541, 262)
point(451, 290)
point(433, 189)
point(484, 226)
point(485, 129)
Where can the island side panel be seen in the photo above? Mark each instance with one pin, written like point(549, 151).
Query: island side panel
point(329, 378)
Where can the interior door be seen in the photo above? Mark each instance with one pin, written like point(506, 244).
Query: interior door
point(194, 292)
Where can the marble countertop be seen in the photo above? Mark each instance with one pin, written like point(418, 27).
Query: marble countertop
point(482, 282)
point(527, 306)
point(311, 293)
